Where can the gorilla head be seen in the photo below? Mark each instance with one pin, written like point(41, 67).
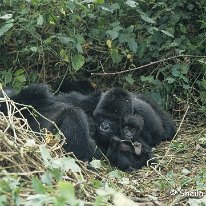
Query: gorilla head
point(131, 126)
point(113, 104)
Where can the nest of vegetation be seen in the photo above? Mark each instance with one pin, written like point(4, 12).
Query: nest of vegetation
point(20, 146)
point(181, 166)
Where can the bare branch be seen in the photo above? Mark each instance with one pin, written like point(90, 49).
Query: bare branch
point(146, 65)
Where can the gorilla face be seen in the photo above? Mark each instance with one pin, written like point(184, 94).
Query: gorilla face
point(105, 129)
point(105, 126)
point(129, 133)
point(131, 126)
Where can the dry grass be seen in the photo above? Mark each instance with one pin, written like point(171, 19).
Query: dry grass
point(182, 164)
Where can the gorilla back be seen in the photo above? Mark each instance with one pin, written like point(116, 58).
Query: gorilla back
point(71, 120)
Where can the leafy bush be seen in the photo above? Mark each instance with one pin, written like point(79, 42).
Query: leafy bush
point(49, 38)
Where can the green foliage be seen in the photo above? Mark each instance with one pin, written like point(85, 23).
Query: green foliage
point(52, 37)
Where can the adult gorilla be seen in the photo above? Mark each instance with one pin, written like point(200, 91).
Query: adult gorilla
point(116, 103)
point(71, 119)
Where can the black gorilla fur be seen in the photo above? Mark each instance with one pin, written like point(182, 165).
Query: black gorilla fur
point(127, 155)
point(112, 105)
point(68, 85)
point(168, 123)
point(71, 120)
point(131, 126)
point(115, 103)
point(129, 152)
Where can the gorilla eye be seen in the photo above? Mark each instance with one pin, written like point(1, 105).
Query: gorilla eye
point(133, 130)
point(105, 126)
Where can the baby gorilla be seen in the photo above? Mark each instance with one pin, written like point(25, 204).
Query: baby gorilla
point(128, 156)
point(129, 152)
point(131, 126)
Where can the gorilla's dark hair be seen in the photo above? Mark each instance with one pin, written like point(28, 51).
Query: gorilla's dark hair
point(115, 103)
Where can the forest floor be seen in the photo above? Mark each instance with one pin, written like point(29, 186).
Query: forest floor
point(33, 170)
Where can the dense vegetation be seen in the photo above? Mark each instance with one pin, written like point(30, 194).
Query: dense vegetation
point(42, 40)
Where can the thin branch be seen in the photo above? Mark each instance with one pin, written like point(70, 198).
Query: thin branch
point(146, 65)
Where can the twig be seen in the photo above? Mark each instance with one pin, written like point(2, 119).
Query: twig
point(166, 153)
point(146, 65)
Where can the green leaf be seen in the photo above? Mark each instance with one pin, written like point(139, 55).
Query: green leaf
point(5, 28)
point(6, 16)
point(79, 47)
point(170, 80)
point(24, 10)
point(96, 183)
point(64, 55)
point(99, 1)
point(3, 200)
point(147, 19)
point(19, 72)
point(113, 34)
point(132, 45)
point(116, 57)
point(46, 178)
point(77, 61)
point(38, 200)
point(40, 20)
point(129, 79)
point(167, 33)
point(65, 40)
point(184, 68)
point(66, 191)
point(186, 86)
point(66, 164)
point(175, 70)
point(149, 79)
point(131, 3)
point(20, 78)
point(70, 5)
point(96, 164)
point(38, 186)
point(45, 155)
point(203, 84)
point(99, 201)
point(124, 37)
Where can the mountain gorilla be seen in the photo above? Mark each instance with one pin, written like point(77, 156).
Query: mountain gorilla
point(71, 119)
point(128, 155)
point(116, 103)
point(128, 152)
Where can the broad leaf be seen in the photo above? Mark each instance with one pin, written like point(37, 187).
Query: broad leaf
point(167, 33)
point(113, 34)
point(40, 20)
point(147, 19)
point(132, 45)
point(77, 61)
point(116, 57)
point(5, 28)
point(131, 3)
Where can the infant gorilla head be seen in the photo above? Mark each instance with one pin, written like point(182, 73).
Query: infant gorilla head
point(131, 126)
